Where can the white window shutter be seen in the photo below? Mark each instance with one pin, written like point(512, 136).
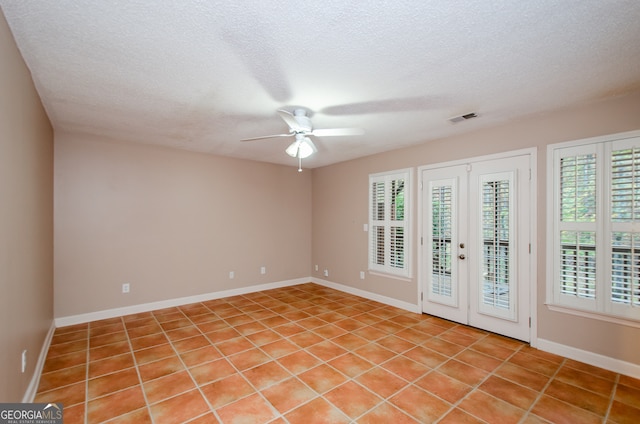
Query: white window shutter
point(596, 226)
point(576, 218)
point(388, 223)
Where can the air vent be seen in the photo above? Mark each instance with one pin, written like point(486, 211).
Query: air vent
point(464, 117)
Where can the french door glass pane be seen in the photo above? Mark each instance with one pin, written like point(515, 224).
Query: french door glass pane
point(496, 243)
point(441, 198)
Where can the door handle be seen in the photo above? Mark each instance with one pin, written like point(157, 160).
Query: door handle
point(461, 256)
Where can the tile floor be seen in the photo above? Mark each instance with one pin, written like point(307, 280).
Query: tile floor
point(309, 354)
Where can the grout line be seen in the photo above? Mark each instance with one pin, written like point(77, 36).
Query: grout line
point(612, 398)
point(186, 368)
point(456, 404)
point(225, 357)
point(135, 365)
point(544, 389)
point(321, 362)
point(86, 380)
point(277, 413)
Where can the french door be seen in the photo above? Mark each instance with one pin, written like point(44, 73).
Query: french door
point(476, 224)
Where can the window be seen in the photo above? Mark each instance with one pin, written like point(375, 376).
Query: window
point(595, 236)
point(389, 223)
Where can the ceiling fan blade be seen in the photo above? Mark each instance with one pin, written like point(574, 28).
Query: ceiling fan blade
point(290, 120)
point(267, 136)
point(329, 132)
point(398, 104)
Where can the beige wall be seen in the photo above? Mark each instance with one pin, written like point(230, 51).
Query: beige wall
point(340, 210)
point(26, 221)
point(171, 223)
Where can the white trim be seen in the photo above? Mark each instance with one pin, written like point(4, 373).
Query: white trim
point(593, 140)
point(152, 306)
point(533, 242)
point(369, 295)
point(32, 388)
point(595, 359)
point(532, 152)
point(600, 307)
point(550, 228)
point(387, 270)
point(470, 160)
point(387, 275)
point(593, 315)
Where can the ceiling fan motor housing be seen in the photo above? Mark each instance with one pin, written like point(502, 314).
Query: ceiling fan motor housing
point(300, 115)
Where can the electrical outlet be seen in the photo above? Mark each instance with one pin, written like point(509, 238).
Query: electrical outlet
point(24, 360)
point(362, 275)
point(125, 288)
point(326, 272)
point(232, 275)
point(263, 270)
point(316, 267)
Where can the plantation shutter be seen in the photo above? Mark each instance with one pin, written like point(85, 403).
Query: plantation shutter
point(388, 234)
point(497, 236)
point(624, 273)
point(378, 220)
point(597, 227)
point(443, 204)
point(576, 226)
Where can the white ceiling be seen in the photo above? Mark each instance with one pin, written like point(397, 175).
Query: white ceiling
point(201, 75)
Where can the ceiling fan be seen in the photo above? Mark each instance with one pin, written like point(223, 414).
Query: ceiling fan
point(301, 128)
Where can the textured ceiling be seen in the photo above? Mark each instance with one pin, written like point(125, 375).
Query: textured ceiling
point(201, 75)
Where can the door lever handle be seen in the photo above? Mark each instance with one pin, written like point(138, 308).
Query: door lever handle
point(461, 256)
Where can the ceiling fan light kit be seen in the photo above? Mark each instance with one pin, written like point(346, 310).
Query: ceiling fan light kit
point(301, 128)
point(302, 148)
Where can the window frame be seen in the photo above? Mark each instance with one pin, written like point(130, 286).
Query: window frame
point(601, 307)
point(387, 269)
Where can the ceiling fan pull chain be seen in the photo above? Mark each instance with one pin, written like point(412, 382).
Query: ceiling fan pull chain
point(299, 163)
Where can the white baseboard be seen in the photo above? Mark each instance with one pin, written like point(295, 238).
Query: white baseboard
point(368, 295)
point(32, 389)
point(152, 306)
point(591, 358)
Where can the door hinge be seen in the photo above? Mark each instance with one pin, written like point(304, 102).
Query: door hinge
point(529, 247)
point(421, 296)
point(529, 174)
point(420, 240)
point(421, 185)
point(529, 322)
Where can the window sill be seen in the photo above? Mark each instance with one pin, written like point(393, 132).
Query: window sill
point(395, 277)
point(593, 315)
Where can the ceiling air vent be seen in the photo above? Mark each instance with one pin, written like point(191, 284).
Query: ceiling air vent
point(464, 117)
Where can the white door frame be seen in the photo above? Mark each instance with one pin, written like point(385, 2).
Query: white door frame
point(533, 193)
